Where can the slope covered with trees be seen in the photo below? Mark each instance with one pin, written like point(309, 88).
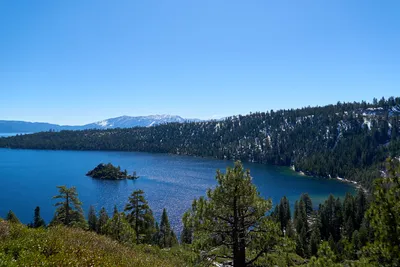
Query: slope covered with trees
point(348, 140)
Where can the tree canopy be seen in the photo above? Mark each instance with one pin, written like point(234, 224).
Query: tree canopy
point(232, 221)
point(69, 209)
point(140, 217)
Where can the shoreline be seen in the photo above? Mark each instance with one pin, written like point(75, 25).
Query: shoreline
point(343, 180)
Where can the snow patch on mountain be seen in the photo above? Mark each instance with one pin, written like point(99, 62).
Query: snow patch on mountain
point(139, 121)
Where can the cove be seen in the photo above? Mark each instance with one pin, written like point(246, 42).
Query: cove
point(28, 178)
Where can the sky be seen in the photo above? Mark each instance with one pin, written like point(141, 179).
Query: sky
point(76, 62)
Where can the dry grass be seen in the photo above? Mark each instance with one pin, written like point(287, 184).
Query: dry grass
point(60, 246)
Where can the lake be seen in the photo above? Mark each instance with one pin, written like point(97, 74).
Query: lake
point(28, 178)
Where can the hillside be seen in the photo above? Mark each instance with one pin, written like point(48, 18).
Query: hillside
point(62, 246)
point(341, 140)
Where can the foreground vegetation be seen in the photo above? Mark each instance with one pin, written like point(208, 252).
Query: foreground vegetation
point(233, 225)
point(348, 140)
point(67, 246)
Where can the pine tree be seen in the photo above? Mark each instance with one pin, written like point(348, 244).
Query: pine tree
point(337, 220)
point(69, 210)
point(361, 207)
point(140, 217)
point(167, 236)
point(119, 229)
point(37, 220)
point(232, 221)
point(103, 219)
point(315, 241)
point(115, 211)
point(331, 218)
point(326, 257)
point(156, 236)
point(187, 231)
point(92, 219)
point(384, 217)
point(11, 217)
point(307, 202)
point(349, 213)
point(302, 227)
point(284, 213)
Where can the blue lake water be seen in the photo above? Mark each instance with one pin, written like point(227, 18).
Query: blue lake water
point(28, 178)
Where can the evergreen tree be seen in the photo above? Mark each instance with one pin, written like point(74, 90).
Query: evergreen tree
point(11, 217)
point(302, 227)
point(331, 218)
point(69, 210)
point(156, 236)
point(349, 213)
point(187, 232)
point(115, 211)
point(356, 242)
point(326, 257)
point(92, 219)
point(384, 216)
point(307, 202)
point(37, 220)
point(315, 241)
point(166, 235)
point(103, 219)
point(284, 213)
point(118, 228)
point(140, 217)
point(232, 221)
point(361, 207)
point(315, 236)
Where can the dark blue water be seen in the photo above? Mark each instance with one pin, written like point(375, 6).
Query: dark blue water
point(28, 178)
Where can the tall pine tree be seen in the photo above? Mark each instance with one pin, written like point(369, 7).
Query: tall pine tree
point(69, 210)
point(140, 217)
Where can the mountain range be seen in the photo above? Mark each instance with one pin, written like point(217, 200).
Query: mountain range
point(118, 122)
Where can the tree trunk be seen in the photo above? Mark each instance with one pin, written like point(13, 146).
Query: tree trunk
point(239, 254)
point(242, 250)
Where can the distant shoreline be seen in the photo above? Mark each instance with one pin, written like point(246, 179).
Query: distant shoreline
point(354, 183)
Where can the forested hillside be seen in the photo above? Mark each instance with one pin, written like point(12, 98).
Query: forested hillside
point(342, 140)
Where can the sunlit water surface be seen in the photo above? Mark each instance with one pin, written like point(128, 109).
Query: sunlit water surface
point(28, 178)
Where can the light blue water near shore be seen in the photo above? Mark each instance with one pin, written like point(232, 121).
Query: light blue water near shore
point(28, 178)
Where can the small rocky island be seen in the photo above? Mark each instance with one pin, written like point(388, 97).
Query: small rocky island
point(110, 172)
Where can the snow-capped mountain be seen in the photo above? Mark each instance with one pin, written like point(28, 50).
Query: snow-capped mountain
point(143, 121)
point(119, 122)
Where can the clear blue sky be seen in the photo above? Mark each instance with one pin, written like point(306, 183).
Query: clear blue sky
point(75, 62)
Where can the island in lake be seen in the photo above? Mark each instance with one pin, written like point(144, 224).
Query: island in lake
point(110, 172)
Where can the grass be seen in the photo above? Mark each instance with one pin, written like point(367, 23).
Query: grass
point(61, 246)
